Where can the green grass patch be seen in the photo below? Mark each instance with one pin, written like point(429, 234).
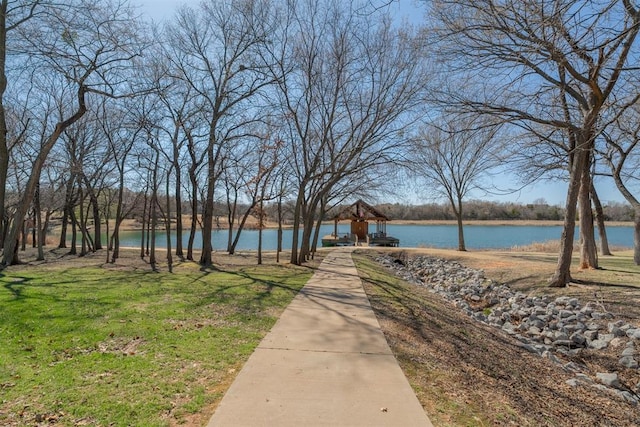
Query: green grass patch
point(105, 347)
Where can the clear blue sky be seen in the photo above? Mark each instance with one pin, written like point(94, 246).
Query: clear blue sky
point(553, 192)
point(159, 10)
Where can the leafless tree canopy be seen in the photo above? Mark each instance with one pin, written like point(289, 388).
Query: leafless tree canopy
point(559, 71)
point(232, 105)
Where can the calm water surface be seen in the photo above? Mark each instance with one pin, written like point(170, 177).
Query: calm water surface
point(437, 236)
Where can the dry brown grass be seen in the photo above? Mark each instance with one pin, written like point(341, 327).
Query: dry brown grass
point(468, 373)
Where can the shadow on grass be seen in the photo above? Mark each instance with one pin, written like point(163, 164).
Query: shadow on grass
point(15, 286)
point(607, 284)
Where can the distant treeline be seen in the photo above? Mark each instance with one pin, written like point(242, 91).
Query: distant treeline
point(472, 210)
point(483, 210)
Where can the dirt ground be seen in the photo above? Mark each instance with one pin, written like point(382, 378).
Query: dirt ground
point(468, 373)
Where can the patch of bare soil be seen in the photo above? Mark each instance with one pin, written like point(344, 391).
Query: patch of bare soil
point(469, 373)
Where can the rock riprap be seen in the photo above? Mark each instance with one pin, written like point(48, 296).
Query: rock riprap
point(543, 324)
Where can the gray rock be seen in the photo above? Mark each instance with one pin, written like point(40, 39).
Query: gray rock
point(572, 382)
point(628, 362)
point(570, 328)
point(606, 337)
point(566, 314)
point(530, 348)
point(563, 343)
point(573, 367)
point(537, 323)
point(615, 331)
point(480, 316)
point(578, 339)
point(615, 324)
point(593, 326)
point(534, 331)
point(509, 328)
point(598, 344)
point(591, 335)
point(586, 310)
point(629, 397)
point(625, 327)
point(610, 379)
point(561, 336)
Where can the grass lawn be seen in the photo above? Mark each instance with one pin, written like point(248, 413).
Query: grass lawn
point(119, 346)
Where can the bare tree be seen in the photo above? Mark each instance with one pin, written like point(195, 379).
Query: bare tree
point(91, 57)
point(215, 50)
point(13, 15)
point(346, 84)
point(253, 172)
point(122, 127)
point(623, 157)
point(453, 161)
point(557, 66)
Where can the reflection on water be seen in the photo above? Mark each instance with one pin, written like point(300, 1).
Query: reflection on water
point(437, 236)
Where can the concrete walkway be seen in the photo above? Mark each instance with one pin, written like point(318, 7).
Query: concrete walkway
point(324, 363)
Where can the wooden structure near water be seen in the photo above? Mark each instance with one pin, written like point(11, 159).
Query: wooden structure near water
point(360, 213)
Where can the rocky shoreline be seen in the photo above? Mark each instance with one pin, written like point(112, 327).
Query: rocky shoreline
point(547, 326)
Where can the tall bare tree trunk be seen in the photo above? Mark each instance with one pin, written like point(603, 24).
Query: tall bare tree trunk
point(636, 235)
point(4, 146)
point(206, 257)
point(458, 211)
point(82, 222)
point(588, 248)
point(74, 235)
point(168, 224)
point(562, 274)
point(95, 207)
point(178, 198)
point(38, 223)
point(599, 218)
point(279, 238)
point(260, 228)
point(297, 212)
point(143, 229)
point(194, 220)
point(154, 213)
point(68, 206)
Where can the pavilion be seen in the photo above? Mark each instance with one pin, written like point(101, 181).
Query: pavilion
point(360, 213)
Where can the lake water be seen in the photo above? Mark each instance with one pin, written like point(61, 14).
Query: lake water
point(437, 236)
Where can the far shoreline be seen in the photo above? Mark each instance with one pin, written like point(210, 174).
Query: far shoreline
point(497, 222)
point(133, 225)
